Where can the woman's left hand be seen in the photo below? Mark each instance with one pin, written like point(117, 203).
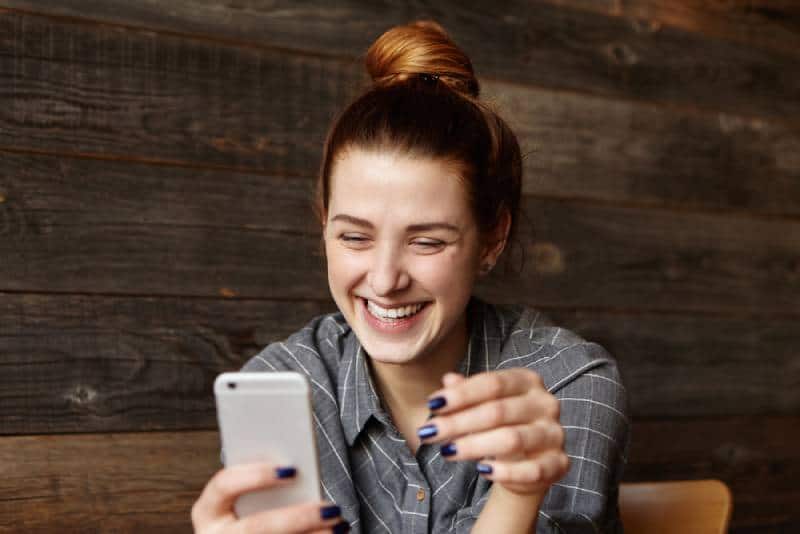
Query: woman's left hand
point(507, 421)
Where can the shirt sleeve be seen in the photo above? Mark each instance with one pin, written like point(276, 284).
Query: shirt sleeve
point(594, 415)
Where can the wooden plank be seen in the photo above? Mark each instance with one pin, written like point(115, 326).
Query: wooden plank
point(585, 255)
point(541, 44)
point(122, 228)
point(144, 482)
point(93, 364)
point(127, 94)
point(148, 481)
point(113, 92)
point(91, 226)
point(769, 24)
point(681, 365)
point(579, 146)
point(76, 363)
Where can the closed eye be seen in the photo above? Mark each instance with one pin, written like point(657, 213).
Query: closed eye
point(428, 244)
point(354, 240)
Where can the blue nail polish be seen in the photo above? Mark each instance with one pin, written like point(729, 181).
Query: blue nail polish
point(341, 528)
point(436, 403)
point(427, 431)
point(285, 472)
point(448, 450)
point(484, 469)
point(329, 512)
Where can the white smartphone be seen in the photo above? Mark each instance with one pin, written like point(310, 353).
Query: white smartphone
point(267, 417)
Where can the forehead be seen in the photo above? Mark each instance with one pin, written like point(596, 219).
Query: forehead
point(377, 185)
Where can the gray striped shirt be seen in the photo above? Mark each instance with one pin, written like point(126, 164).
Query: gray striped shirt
point(367, 469)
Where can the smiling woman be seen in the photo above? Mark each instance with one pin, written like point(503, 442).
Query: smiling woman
point(435, 411)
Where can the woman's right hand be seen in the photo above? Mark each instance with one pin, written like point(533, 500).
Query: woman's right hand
point(213, 512)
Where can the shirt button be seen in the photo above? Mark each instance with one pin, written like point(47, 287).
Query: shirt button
point(420, 494)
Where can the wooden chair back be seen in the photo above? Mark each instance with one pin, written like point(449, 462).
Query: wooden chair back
point(676, 507)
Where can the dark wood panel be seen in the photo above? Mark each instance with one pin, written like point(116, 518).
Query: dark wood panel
point(757, 457)
point(540, 44)
point(768, 24)
point(133, 483)
point(115, 92)
point(142, 229)
point(683, 365)
point(123, 93)
point(85, 364)
point(91, 226)
point(144, 481)
point(584, 255)
point(578, 146)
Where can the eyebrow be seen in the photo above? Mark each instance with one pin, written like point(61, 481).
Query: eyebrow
point(423, 227)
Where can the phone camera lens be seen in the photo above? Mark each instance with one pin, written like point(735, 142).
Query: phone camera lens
point(231, 385)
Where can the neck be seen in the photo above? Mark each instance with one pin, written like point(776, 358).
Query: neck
point(405, 388)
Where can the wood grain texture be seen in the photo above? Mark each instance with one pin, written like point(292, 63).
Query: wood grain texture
point(579, 146)
point(47, 484)
point(768, 24)
point(553, 46)
point(92, 363)
point(97, 483)
point(92, 226)
point(757, 457)
point(128, 94)
point(115, 92)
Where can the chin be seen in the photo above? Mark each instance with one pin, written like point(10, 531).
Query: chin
point(397, 342)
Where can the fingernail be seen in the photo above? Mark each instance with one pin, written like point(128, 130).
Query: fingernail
point(448, 450)
point(341, 528)
point(427, 431)
point(285, 472)
point(329, 512)
point(436, 403)
point(485, 469)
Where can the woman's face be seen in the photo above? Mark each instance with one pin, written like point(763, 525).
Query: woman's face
point(403, 252)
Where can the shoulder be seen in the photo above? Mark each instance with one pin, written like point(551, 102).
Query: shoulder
point(318, 345)
point(558, 354)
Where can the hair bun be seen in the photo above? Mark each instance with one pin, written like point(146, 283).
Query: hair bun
point(421, 47)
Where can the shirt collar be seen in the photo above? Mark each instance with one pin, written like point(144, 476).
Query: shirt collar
point(358, 400)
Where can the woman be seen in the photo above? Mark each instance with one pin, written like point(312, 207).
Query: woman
point(434, 411)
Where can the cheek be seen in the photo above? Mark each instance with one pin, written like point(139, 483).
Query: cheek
point(344, 268)
point(447, 274)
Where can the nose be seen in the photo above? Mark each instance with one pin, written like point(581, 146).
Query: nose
point(387, 273)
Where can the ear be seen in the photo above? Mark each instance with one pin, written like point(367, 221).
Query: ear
point(496, 242)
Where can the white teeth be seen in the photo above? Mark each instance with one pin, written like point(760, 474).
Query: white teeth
point(393, 313)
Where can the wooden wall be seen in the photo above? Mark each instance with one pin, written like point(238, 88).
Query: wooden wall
point(156, 161)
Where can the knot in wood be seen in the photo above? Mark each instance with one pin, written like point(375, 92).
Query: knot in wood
point(82, 395)
point(622, 54)
point(547, 258)
point(643, 25)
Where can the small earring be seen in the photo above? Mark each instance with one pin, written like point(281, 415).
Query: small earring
point(487, 267)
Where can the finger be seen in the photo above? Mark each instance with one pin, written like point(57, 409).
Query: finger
point(506, 442)
point(291, 519)
point(227, 484)
point(483, 387)
point(508, 411)
point(546, 468)
point(451, 379)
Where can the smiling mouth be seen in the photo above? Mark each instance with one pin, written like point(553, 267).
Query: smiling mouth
point(394, 314)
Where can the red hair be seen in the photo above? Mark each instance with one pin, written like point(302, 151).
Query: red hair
point(424, 103)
